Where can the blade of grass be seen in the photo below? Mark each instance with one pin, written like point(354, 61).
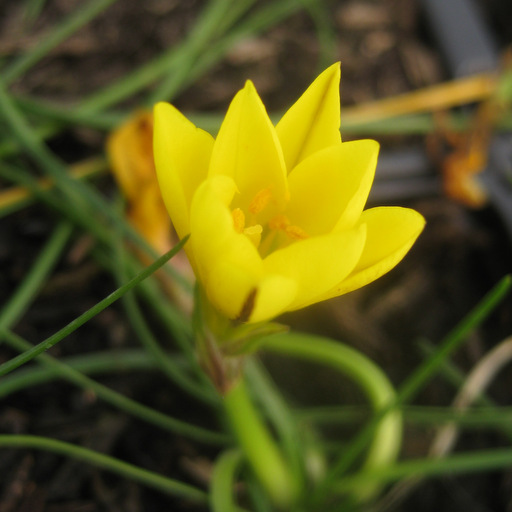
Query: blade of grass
point(55, 200)
point(419, 378)
point(13, 310)
point(477, 461)
point(454, 340)
point(167, 62)
point(479, 417)
point(12, 364)
point(208, 27)
point(88, 364)
point(15, 198)
point(202, 390)
point(79, 196)
point(33, 9)
point(63, 114)
point(174, 321)
point(54, 36)
point(451, 373)
point(325, 32)
point(261, 20)
point(116, 399)
point(100, 460)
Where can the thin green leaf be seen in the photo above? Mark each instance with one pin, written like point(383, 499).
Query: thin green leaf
point(202, 390)
point(100, 460)
point(54, 36)
point(419, 378)
point(88, 364)
point(454, 340)
point(46, 260)
point(75, 324)
point(472, 462)
point(118, 400)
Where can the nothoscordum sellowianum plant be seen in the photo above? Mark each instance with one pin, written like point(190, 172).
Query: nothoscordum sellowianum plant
point(277, 222)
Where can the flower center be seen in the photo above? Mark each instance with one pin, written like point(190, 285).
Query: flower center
point(270, 237)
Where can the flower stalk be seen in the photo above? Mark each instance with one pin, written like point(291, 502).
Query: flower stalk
point(259, 448)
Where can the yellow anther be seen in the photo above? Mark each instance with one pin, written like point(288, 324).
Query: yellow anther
point(238, 220)
point(296, 233)
point(279, 223)
point(260, 200)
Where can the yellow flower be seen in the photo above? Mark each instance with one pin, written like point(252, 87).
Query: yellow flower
point(275, 214)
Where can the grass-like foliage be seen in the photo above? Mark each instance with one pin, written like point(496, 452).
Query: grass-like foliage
point(267, 451)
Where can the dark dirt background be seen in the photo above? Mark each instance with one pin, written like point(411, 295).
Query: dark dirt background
point(385, 49)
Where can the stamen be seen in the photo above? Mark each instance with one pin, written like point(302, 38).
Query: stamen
point(253, 233)
point(238, 220)
point(281, 223)
point(260, 200)
point(296, 233)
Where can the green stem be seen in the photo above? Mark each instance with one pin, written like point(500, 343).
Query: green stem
point(259, 447)
point(387, 434)
point(278, 412)
point(223, 482)
point(154, 480)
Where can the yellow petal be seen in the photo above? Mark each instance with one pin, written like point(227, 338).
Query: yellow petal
point(313, 122)
point(182, 153)
point(239, 293)
point(359, 170)
point(317, 264)
point(329, 189)
point(273, 296)
point(391, 231)
point(248, 150)
point(227, 263)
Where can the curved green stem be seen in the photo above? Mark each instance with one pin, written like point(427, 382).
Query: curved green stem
point(160, 482)
point(259, 448)
point(387, 434)
point(223, 482)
